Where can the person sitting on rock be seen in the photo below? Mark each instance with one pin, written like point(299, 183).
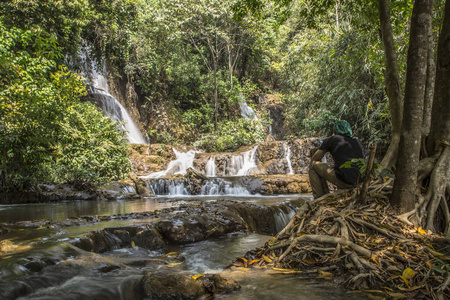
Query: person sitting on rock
point(343, 147)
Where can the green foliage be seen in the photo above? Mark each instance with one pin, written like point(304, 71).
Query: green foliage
point(40, 109)
point(90, 147)
point(231, 135)
point(361, 164)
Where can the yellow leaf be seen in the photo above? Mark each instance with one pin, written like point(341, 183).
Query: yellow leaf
point(197, 276)
point(325, 274)
point(288, 271)
point(174, 264)
point(266, 259)
point(171, 253)
point(421, 231)
point(429, 264)
point(243, 259)
point(253, 261)
point(133, 244)
point(408, 273)
point(271, 241)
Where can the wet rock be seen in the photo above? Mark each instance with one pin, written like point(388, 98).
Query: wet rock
point(165, 285)
point(3, 229)
point(141, 186)
point(149, 238)
point(193, 228)
point(259, 219)
point(98, 241)
point(216, 284)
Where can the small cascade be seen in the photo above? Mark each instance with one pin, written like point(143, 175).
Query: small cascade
point(211, 187)
point(249, 162)
point(168, 187)
point(182, 162)
point(221, 187)
point(211, 167)
point(241, 165)
point(287, 154)
point(246, 111)
point(283, 215)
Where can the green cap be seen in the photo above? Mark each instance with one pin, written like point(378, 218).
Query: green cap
point(343, 128)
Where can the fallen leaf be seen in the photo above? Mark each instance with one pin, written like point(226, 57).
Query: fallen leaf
point(174, 264)
point(421, 230)
point(266, 259)
point(253, 261)
point(325, 274)
point(408, 273)
point(133, 244)
point(197, 276)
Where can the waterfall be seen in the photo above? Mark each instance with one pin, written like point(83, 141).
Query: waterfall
point(241, 165)
point(246, 111)
point(168, 187)
point(114, 109)
point(212, 187)
point(211, 167)
point(110, 105)
point(287, 153)
point(283, 217)
point(249, 162)
point(220, 187)
point(182, 162)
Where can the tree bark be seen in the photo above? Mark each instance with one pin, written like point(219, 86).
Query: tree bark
point(405, 186)
point(392, 82)
point(440, 115)
point(429, 90)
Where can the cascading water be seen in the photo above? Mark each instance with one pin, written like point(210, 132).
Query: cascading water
point(246, 111)
point(219, 186)
point(115, 110)
point(110, 105)
point(282, 216)
point(241, 165)
point(249, 162)
point(211, 167)
point(168, 187)
point(182, 162)
point(287, 153)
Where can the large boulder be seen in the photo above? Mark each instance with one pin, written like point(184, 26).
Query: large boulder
point(166, 285)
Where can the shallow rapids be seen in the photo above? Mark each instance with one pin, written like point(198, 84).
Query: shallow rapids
point(43, 264)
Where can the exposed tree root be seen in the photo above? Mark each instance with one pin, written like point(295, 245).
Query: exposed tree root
point(363, 246)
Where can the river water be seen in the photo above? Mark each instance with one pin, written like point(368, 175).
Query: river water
point(75, 274)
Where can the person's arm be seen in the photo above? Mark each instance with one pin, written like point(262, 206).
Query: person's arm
point(318, 155)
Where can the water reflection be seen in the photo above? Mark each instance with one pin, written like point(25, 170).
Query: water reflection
point(63, 210)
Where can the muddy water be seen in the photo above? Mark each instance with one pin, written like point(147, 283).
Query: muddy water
point(75, 274)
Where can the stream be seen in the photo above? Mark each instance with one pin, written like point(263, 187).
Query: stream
point(71, 273)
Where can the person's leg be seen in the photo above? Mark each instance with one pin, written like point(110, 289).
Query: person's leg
point(318, 182)
point(319, 174)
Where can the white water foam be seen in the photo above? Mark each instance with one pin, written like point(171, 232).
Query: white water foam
point(246, 111)
point(211, 167)
point(182, 162)
point(287, 154)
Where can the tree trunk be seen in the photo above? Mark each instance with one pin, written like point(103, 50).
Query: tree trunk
point(392, 82)
point(429, 89)
point(439, 138)
point(405, 187)
point(440, 115)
